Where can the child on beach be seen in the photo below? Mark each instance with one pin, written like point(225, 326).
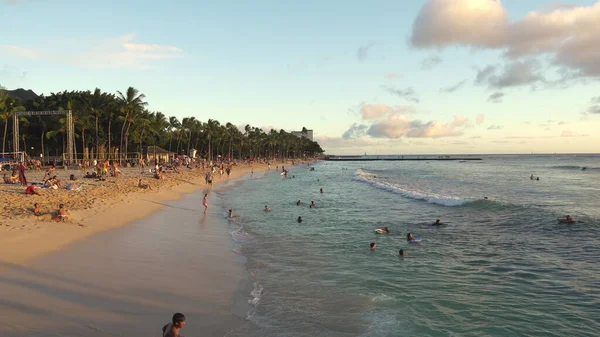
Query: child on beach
point(62, 213)
point(36, 209)
point(144, 186)
point(205, 202)
point(32, 190)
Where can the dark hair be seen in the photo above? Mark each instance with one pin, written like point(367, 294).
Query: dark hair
point(178, 317)
point(372, 244)
point(61, 205)
point(401, 252)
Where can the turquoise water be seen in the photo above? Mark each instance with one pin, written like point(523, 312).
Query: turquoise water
point(501, 266)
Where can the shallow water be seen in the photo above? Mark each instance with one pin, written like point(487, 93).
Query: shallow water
point(501, 266)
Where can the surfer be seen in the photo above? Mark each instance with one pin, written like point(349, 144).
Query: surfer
point(372, 246)
point(409, 237)
point(173, 329)
point(584, 168)
point(386, 230)
point(299, 219)
point(298, 203)
point(437, 223)
point(401, 253)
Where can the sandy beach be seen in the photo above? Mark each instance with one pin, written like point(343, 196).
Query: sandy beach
point(99, 206)
point(170, 257)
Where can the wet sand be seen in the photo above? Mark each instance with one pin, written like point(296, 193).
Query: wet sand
point(129, 281)
point(98, 207)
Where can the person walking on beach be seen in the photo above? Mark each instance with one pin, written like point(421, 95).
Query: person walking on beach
point(205, 202)
point(22, 178)
point(173, 329)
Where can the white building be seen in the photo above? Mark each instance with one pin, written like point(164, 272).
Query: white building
point(309, 134)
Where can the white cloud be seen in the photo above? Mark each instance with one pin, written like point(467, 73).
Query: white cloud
point(495, 127)
point(396, 126)
point(570, 35)
point(480, 23)
point(119, 52)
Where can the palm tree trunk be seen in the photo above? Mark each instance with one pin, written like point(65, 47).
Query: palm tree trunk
point(5, 132)
point(42, 139)
point(83, 148)
point(122, 131)
point(109, 125)
point(97, 149)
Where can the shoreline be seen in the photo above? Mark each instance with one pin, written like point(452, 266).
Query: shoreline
point(24, 237)
point(78, 286)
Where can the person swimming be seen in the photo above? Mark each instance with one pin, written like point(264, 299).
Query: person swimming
point(409, 237)
point(267, 208)
point(372, 246)
point(313, 204)
point(401, 253)
point(299, 219)
point(386, 230)
point(567, 219)
point(230, 213)
point(321, 190)
point(298, 203)
point(437, 223)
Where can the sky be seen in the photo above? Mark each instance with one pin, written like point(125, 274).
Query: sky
point(381, 77)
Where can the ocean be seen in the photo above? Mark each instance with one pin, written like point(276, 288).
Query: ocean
point(501, 265)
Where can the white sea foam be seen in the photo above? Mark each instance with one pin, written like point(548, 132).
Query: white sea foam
point(370, 178)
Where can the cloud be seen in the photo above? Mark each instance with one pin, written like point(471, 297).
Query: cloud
point(393, 76)
point(514, 74)
point(454, 87)
point(407, 93)
point(440, 23)
point(397, 126)
point(355, 131)
point(377, 111)
point(150, 48)
point(496, 97)
point(430, 62)
point(120, 52)
point(479, 119)
point(363, 52)
point(393, 127)
point(595, 100)
point(567, 35)
point(594, 109)
point(496, 127)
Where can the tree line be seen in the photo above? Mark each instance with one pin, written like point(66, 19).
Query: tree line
point(109, 126)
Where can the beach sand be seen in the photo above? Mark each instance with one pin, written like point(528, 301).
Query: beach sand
point(128, 281)
point(97, 207)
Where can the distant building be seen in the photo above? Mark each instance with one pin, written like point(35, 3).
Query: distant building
point(309, 134)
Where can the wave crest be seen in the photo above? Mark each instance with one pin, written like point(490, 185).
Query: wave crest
point(449, 201)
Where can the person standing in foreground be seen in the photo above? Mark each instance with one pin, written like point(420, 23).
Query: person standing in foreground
point(173, 329)
point(205, 202)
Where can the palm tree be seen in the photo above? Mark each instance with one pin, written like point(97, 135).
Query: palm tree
point(8, 106)
point(173, 124)
point(131, 103)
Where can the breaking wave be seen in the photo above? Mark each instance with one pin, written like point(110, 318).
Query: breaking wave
point(449, 201)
